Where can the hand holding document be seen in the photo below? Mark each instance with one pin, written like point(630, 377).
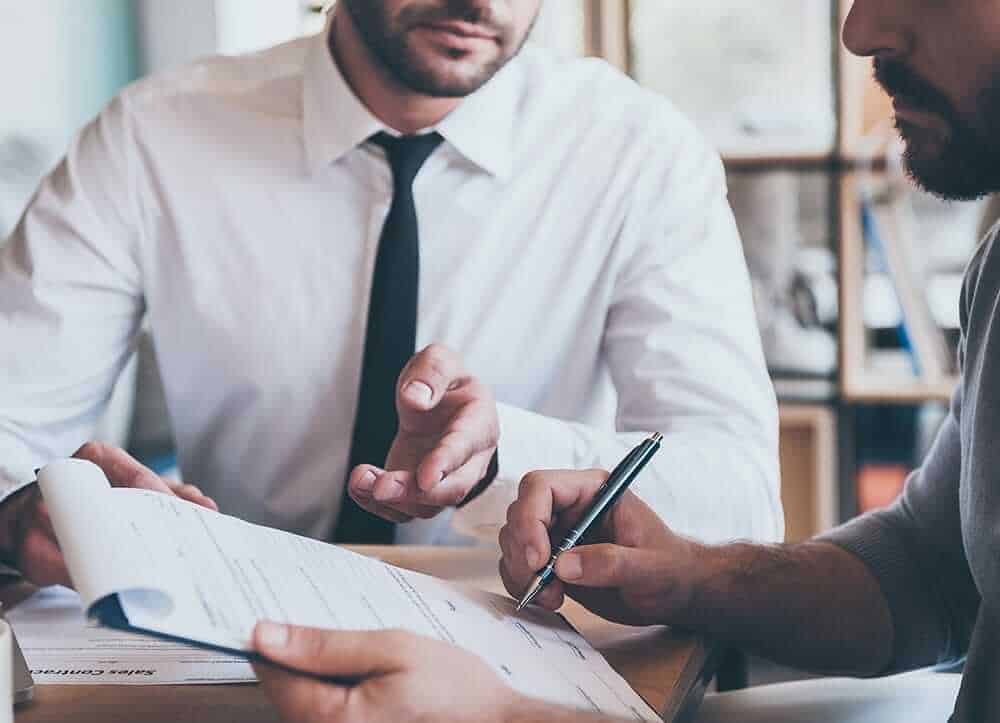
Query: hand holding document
point(160, 565)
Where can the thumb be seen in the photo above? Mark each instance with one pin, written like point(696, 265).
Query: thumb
point(603, 565)
point(121, 468)
point(332, 653)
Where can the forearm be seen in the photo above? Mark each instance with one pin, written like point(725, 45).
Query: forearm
point(812, 606)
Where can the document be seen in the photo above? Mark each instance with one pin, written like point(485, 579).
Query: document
point(62, 646)
point(179, 570)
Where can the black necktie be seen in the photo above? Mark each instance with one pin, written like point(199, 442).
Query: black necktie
point(391, 336)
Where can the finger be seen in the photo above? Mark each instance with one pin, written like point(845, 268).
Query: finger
point(194, 494)
point(541, 497)
point(361, 482)
point(474, 435)
point(606, 565)
point(392, 487)
point(121, 468)
point(337, 653)
point(386, 513)
point(631, 521)
point(427, 377)
point(550, 598)
point(513, 560)
point(44, 520)
point(453, 489)
point(41, 560)
point(300, 698)
point(391, 506)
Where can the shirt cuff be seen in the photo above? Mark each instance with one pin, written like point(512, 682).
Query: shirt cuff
point(10, 487)
point(530, 441)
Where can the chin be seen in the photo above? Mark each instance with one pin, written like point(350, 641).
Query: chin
point(439, 75)
point(950, 179)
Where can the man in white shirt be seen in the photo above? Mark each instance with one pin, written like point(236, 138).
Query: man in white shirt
point(581, 282)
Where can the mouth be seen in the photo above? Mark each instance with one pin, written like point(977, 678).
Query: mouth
point(458, 34)
point(913, 116)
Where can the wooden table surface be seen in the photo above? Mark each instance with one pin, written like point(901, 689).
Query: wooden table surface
point(668, 668)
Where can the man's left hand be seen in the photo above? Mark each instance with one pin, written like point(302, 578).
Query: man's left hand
point(448, 430)
point(379, 676)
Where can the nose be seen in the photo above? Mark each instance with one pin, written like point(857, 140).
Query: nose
point(876, 27)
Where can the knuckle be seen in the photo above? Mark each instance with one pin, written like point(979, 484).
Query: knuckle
point(522, 529)
point(610, 559)
point(439, 360)
point(597, 477)
point(399, 641)
point(307, 642)
point(90, 450)
point(530, 482)
point(325, 703)
point(438, 352)
point(513, 512)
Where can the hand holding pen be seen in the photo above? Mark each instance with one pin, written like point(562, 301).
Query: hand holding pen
point(630, 568)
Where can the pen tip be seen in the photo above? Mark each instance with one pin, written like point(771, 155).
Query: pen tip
point(520, 606)
point(656, 438)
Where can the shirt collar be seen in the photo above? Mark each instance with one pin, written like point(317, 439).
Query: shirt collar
point(482, 127)
point(335, 121)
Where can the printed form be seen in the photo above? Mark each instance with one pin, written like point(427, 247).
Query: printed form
point(61, 646)
point(188, 572)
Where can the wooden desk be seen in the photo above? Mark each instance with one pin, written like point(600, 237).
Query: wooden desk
point(669, 669)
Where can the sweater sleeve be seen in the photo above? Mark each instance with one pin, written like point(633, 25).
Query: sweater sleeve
point(914, 548)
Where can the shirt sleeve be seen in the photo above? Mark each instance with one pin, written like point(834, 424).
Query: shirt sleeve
point(683, 349)
point(70, 299)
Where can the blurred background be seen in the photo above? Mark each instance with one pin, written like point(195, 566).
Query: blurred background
point(856, 275)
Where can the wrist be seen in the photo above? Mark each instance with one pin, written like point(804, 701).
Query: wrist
point(707, 571)
point(491, 474)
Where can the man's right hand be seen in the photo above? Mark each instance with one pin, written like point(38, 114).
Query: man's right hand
point(26, 534)
point(632, 570)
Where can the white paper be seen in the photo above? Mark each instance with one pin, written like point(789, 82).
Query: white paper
point(61, 646)
point(204, 576)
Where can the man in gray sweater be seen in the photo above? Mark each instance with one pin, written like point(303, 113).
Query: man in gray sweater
point(904, 588)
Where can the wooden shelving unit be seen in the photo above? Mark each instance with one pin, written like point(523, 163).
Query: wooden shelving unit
point(812, 434)
point(859, 381)
point(809, 492)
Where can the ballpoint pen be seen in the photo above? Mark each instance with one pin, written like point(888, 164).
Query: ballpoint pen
point(618, 481)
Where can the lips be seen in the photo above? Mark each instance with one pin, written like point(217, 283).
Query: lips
point(461, 29)
point(912, 115)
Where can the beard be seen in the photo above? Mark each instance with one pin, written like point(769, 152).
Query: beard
point(962, 164)
point(449, 73)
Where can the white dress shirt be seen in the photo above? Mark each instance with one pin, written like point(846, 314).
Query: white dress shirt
point(577, 251)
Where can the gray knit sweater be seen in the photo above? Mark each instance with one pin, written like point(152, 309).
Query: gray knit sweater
point(936, 551)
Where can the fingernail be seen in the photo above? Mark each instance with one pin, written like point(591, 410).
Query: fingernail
point(419, 393)
point(569, 567)
point(532, 557)
point(272, 635)
point(392, 494)
point(366, 482)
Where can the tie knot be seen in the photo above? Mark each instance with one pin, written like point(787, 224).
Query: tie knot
point(407, 154)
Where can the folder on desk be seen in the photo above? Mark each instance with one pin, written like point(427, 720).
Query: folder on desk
point(158, 565)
